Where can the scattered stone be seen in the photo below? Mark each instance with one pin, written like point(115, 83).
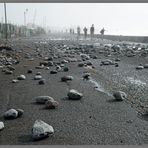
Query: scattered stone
point(21, 77)
point(107, 62)
point(66, 78)
point(10, 67)
point(50, 104)
point(140, 67)
point(20, 112)
point(53, 72)
point(80, 64)
point(39, 67)
point(1, 126)
point(65, 69)
point(58, 68)
point(117, 59)
point(15, 81)
point(38, 77)
point(41, 130)
point(8, 72)
point(86, 76)
point(50, 63)
point(11, 114)
point(119, 95)
point(43, 99)
point(41, 82)
point(38, 73)
point(74, 95)
point(47, 68)
point(30, 71)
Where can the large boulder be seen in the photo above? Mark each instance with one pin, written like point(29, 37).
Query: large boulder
point(41, 130)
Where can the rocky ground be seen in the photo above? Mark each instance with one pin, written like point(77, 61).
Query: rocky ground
point(98, 69)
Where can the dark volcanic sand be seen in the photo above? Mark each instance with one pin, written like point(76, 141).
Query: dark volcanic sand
point(95, 119)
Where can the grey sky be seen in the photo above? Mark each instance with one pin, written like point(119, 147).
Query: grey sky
point(122, 19)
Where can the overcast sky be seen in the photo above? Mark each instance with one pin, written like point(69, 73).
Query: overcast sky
point(121, 19)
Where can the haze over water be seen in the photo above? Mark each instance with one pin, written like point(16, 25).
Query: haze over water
point(117, 19)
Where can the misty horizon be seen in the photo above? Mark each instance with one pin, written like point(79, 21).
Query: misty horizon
point(117, 19)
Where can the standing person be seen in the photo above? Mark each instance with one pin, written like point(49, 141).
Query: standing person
point(102, 31)
point(78, 32)
point(92, 30)
point(85, 32)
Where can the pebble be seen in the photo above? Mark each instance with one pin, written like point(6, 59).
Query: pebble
point(43, 99)
point(74, 95)
point(20, 112)
point(41, 130)
point(50, 63)
point(30, 71)
point(39, 67)
point(58, 68)
point(80, 64)
point(65, 69)
point(15, 81)
point(86, 76)
point(140, 67)
point(66, 78)
point(8, 72)
point(11, 114)
point(37, 77)
point(53, 72)
point(21, 77)
point(119, 95)
point(41, 82)
point(1, 126)
point(50, 104)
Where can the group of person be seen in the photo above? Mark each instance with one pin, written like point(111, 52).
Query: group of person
point(85, 30)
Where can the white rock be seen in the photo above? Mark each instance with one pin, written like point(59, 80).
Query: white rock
point(74, 95)
point(15, 81)
point(38, 77)
point(21, 77)
point(1, 125)
point(139, 67)
point(11, 114)
point(43, 99)
point(41, 130)
point(119, 95)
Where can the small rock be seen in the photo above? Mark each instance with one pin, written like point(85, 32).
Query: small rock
point(39, 67)
point(43, 99)
point(10, 67)
point(30, 71)
point(74, 95)
point(11, 114)
point(15, 81)
point(41, 82)
point(66, 78)
point(58, 68)
point(80, 64)
point(50, 104)
point(65, 69)
point(1, 125)
point(38, 77)
point(8, 72)
point(86, 76)
point(50, 63)
point(21, 77)
point(139, 67)
point(41, 130)
point(20, 112)
point(119, 95)
point(53, 72)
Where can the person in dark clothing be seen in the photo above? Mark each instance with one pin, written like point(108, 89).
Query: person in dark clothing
point(85, 32)
point(78, 32)
point(102, 31)
point(92, 30)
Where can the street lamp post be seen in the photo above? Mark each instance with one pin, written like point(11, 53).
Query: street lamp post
point(6, 36)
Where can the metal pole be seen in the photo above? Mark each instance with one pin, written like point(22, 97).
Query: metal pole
point(5, 21)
